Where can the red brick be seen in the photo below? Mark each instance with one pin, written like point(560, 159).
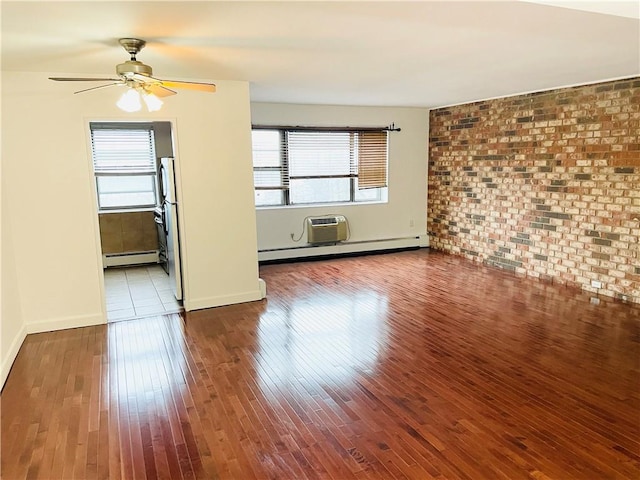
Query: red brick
point(566, 168)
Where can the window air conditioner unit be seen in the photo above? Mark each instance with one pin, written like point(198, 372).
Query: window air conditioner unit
point(326, 229)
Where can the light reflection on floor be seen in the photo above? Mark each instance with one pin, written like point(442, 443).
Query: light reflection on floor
point(146, 356)
point(324, 340)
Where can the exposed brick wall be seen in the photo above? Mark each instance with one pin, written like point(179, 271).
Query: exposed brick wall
point(544, 184)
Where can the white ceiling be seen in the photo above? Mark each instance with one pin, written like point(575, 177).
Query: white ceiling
point(393, 53)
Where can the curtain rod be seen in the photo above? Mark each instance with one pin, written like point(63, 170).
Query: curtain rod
point(390, 128)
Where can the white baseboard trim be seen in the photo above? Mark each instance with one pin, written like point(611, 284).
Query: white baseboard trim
point(210, 302)
point(134, 258)
point(340, 248)
point(14, 348)
point(68, 322)
point(262, 285)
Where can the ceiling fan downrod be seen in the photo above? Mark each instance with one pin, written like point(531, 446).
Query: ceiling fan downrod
point(132, 46)
point(133, 66)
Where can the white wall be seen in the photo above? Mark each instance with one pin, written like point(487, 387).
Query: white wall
point(49, 199)
point(407, 199)
point(48, 195)
point(215, 177)
point(12, 326)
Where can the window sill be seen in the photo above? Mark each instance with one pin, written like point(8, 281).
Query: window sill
point(126, 210)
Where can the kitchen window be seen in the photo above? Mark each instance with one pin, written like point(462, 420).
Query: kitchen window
point(306, 166)
point(124, 163)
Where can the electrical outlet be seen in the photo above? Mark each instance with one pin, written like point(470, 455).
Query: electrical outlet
point(596, 284)
point(411, 223)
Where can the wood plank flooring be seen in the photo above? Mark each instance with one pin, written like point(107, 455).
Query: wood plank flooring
point(410, 365)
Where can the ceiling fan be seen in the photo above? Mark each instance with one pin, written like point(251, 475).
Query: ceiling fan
point(138, 77)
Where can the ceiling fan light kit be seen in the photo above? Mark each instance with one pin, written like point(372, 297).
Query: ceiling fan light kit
point(138, 78)
point(129, 101)
point(152, 102)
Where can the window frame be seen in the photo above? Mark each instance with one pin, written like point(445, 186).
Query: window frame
point(352, 176)
point(150, 171)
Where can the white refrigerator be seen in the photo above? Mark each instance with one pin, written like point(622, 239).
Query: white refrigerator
point(170, 206)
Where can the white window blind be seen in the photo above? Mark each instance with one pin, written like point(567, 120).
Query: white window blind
point(268, 162)
point(117, 149)
point(320, 154)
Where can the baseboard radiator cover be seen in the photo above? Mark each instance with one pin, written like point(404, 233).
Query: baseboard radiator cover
point(130, 258)
point(340, 248)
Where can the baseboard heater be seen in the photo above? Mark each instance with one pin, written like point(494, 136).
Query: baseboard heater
point(340, 248)
point(129, 258)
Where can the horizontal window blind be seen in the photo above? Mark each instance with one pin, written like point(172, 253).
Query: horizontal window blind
point(306, 165)
point(117, 149)
point(269, 165)
point(372, 160)
point(320, 154)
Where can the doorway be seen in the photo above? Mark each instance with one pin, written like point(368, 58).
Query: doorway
point(126, 160)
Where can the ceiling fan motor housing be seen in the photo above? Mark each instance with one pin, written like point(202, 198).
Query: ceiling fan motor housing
point(132, 67)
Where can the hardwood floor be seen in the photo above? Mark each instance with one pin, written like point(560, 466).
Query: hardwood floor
point(411, 365)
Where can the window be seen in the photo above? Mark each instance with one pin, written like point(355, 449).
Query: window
point(303, 166)
point(124, 162)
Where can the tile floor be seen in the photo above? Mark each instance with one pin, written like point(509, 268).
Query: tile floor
point(138, 291)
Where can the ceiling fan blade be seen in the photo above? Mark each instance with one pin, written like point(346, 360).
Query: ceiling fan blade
point(201, 87)
point(70, 79)
point(159, 90)
point(100, 86)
